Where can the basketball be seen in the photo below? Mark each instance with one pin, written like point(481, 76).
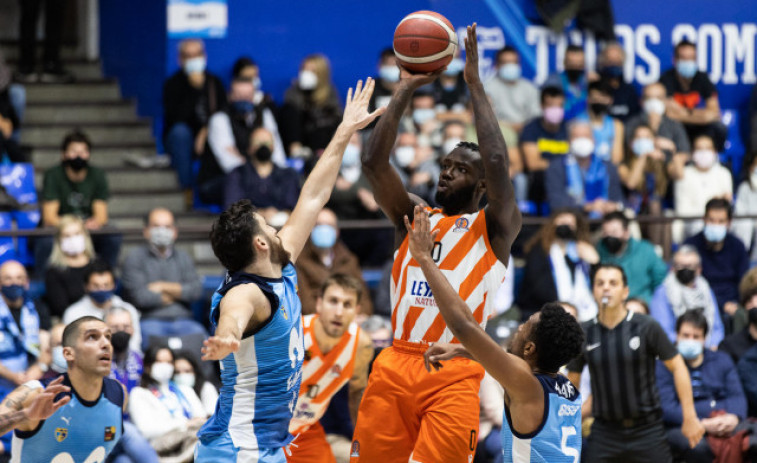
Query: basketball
point(424, 42)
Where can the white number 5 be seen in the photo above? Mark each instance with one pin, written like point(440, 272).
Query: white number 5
point(568, 431)
point(296, 347)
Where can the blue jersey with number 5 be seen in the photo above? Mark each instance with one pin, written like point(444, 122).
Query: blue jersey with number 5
point(261, 381)
point(558, 439)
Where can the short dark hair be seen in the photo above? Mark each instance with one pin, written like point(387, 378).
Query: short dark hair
point(606, 265)
point(241, 63)
point(693, 317)
point(386, 53)
point(640, 301)
point(506, 49)
point(616, 215)
point(469, 145)
point(551, 91)
point(199, 375)
point(573, 48)
point(71, 331)
point(98, 266)
point(232, 233)
point(600, 86)
point(721, 204)
point(149, 360)
point(345, 282)
point(558, 338)
point(75, 136)
point(683, 43)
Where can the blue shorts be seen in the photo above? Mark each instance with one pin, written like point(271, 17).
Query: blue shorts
point(222, 450)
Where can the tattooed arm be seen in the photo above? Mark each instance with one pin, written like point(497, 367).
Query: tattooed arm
point(25, 407)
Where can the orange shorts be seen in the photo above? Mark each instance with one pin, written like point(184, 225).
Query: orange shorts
point(410, 414)
point(310, 446)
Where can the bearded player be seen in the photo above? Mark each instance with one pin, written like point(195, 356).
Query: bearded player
point(407, 412)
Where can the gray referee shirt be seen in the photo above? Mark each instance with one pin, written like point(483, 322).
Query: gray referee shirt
point(622, 366)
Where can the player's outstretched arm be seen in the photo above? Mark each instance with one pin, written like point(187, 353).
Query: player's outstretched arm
point(319, 184)
point(691, 427)
point(237, 311)
point(512, 372)
point(25, 407)
point(503, 219)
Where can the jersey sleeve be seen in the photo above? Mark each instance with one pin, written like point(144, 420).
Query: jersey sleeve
point(658, 342)
point(114, 392)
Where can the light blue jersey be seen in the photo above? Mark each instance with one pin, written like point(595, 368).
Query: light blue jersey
point(79, 432)
point(558, 439)
point(261, 381)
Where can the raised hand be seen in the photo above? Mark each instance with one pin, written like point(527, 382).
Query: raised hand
point(218, 348)
point(471, 57)
point(416, 80)
point(420, 238)
point(44, 404)
point(356, 115)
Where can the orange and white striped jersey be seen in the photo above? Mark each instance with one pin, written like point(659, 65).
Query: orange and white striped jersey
point(322, 375)
point(464, 255)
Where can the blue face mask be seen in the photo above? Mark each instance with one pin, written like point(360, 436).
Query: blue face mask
point(13, 292)
point(715, 233)
point(686, 68)
point(642, 146)
point(323, 236)
point(422, 115)
point(59, 361)
point(101, 297)
point(509, 72)
point(389, 73)
point(454, 67)
point(690, 349)
point(197, 64)
point(242, 107)
point(612, 72)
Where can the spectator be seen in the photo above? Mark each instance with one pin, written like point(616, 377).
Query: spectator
point(737, 344)
point(608, 131)
point(246, 69)
point(558, 259)
point(71, 258)
point(323, 256)
point(16, 93)
point(187, 372)
point(352, 197)
point(78, 188)
point(229, 134)
point(100, 287)
point(515, 100)
point(705, 180)
point(58, 364)
point(9, 118)
point(724, 258)
point(422, 120)
point(52, 69)
point(645, 269)
point(449, 90)
point(311, 110)
point(746, 204)
point(636, 305)
point(692, 98)
point(416, 165)
point(573, 81)
point(190, 96)
point(271, 188)
point(388, 76)
point(685, 289)
point(747, 369)
point(625, 100)
point(581, 179)
point(126, 366)
point(161, 281)
point(753, 121)
point(718, 397)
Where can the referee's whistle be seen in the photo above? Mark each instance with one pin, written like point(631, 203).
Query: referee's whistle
point(605, 301)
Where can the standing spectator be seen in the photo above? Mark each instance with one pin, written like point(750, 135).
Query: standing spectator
point(628, 423)
point(608, 131)
point(746, 204)
point(738, 343)
point(692, 98)
point(515, 100)
point(573, 81)
point(161, 281)
point(100, 287)
point(685, 289)
point(638, 259)
point(190, 96)
point(52, 70)
point(324, 255)
point(187, 372)
point(718, 397)
point(625, 100)
point(9, 117)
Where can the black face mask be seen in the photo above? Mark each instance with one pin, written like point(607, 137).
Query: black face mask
point(120, 341)
point(598, 108)
point(574, 74)
point(612, 244)
point(685, 275)
point(76, 164)
point(752, 316)
point(263, 154)
point(565, 232)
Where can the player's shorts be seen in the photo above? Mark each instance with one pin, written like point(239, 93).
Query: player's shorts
point(310, 446)
point(222, 450)
point(409, 414)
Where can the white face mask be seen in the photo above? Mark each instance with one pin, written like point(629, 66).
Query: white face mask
point(59, 361)
point(161, 237)
point(307, 80)
point(350, 173)
point(450, 144)
point(582, 147)
point(73, 245)
point(185, 379)
point(704, 159)
point(654, 106)
point(404, 155)
point(161, 372)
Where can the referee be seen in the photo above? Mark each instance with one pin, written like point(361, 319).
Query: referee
point(621, 348)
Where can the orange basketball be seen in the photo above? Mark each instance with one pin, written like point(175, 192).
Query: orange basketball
point(424, 41)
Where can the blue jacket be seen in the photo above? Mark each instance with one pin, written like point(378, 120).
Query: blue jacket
point(661, 310)
point(722, 269)
point(747, 368)
point(719, 376)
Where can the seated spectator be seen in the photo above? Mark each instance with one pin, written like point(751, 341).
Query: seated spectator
point(741, 341)
point(352, 197)
point(71, 259)
point(581, 179)
point(100, 287)
point(724, 258)
point(9, 120)
point(416, 165)
point(422, 120)
point(558, 258)
point(161, 281)
point(246, 69)
point(636, 305)
point(187, 372)
point(324, 254)
point(386, 81)
point(644, 268)
point(311, 111)
point(747, 369)
point(718, 397)
point(746, 204)
point(573, 81)
point(705, 180)
point(75, 187)
point(58, 364)
point(608, 131)
point(692, 97)
point(126, 365)
point(685, 289)
point(272, 189)
point(625, 100)
point(515, 100)
point(190, 96)
point(165, 413)
point(449, 90)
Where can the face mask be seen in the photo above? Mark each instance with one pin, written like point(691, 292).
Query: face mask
point(450, 144)
point(307, 80)
point(351, 156)
point(263, 154)
point(404, 155)
point(598, 108)
point(184, 379)
point(101, 297)
point(565, 232)
point(690, 349)
point(242, 107)
point(257, 83)
point(76, 164)
point(350, 173)
point(161, 237)
point(59, 362)
point(687, 68)
point(612, 72)
point(120, 341)
point(715, 233)
point(13, 292)
point(73, 245)
point(642, 146)
point(654, 106)
point(389, 73)
point(454, 67)
point(704, 159)
point(420, 116)
point(574, 74)
point(161, 372)
point(612, 244)
point(582, 147)
point(685, 275)
point(194, 65)
point(323, 236)
point(509, 72)
point(554, 114)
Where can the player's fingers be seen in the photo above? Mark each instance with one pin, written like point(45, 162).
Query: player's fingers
point(358, 88)
point(62, 402)
point(56, 389)
point(434, 234)
point(56, 381)
point(377, 113)
point(426, 363)
point(408, 227)
point(367, 90)
point(349, 95)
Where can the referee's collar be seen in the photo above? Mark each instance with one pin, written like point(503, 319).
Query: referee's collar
point(629, 316)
